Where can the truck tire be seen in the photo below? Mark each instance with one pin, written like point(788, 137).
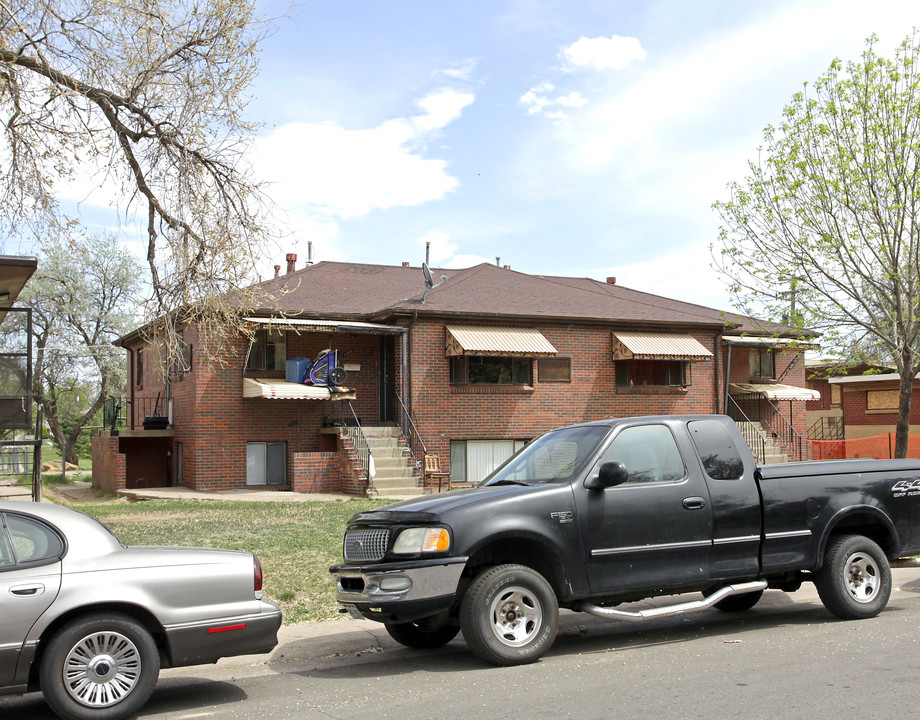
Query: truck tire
point(509, 615)
point(416, 635)
point(855, 580)
point(99, 667)
point(736, 603)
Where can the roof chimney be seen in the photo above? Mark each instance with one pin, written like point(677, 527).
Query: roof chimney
point(277, 270)
point(405, 264)
point(507, 267)
point(291, 262)
point(611, 281)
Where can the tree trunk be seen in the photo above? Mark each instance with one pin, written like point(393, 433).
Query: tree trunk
point(905, 393)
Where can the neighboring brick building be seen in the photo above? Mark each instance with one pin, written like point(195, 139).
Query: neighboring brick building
point(467, 364)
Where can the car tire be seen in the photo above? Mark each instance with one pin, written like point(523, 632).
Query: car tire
point(855, 580)
point(417, 635)
point(509, 615)
point(99, 667)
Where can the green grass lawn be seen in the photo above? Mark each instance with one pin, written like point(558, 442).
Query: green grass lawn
point(295, 542)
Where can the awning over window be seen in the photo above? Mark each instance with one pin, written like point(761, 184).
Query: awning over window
point(284, 390)
point(312, 325)
point(513, 342)
point(657, 346)
point(774, 391)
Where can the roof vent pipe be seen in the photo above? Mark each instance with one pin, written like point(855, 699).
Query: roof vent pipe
point(309, 252)
point(498, 261)
point(291, 262)
point(611, 281)
point(427, 249)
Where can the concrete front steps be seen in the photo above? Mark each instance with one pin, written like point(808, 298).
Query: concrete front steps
point(395, 473)
point(773, 452)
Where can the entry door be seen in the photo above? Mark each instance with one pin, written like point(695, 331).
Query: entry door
point(387, 388)
point(654, 530)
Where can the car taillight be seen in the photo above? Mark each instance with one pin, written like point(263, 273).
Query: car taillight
point(257, 577)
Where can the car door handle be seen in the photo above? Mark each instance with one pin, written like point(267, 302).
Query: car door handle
point(27, 590)
point(694, 503)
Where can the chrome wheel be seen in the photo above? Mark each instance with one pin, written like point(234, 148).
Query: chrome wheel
point(516, 615)
point(102, 669)
point(862, 578)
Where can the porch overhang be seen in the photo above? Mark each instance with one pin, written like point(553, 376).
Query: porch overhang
point(658, 346)
point(316, 325)
point(774, 391)
point(777, 343)
point(284, 390)
point(497, 341)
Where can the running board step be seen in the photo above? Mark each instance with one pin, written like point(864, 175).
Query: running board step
point(672, 610)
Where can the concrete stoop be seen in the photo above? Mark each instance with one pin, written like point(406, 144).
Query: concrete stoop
point(395, 471)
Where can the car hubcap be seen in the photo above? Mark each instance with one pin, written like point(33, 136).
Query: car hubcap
point(102, 669)
point(516, 616)
point(862, 578)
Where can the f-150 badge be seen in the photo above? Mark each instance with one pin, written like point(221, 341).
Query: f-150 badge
point(563, 516)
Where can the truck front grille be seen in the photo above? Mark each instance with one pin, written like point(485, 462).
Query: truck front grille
point(366, 545)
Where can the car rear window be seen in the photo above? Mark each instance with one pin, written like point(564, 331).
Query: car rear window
point(33, 542)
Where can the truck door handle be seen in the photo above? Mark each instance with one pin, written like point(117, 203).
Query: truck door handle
point(694, 503)
point(27, 590)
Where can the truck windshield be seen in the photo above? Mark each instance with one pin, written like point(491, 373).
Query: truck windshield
point(552, 458)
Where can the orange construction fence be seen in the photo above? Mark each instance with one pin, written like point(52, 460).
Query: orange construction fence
point(880, 447)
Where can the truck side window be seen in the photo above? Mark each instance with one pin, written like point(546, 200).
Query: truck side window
point(717, 450)
point(649, 454)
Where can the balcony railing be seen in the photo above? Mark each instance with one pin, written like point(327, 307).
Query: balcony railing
point(136, 413)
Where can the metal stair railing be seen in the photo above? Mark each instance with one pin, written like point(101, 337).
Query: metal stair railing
point(352, 427)
point(788, 437)
point(752, 436)
point(411, 435)
point(826, 428)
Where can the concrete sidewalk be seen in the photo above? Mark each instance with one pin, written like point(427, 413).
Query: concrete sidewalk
point(347, 637)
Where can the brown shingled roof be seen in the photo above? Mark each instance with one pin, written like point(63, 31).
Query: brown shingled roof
point(380, 292)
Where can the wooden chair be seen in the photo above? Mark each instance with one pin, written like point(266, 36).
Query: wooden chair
point(434, 473)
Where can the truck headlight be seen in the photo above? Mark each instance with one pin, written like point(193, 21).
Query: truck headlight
point(419, 540)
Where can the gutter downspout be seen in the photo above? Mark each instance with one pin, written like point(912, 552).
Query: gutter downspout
point(728, 369)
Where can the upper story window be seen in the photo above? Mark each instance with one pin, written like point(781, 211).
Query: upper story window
point(761, 364)
point(490, 370)
point(139, 367)
point(268, 351)
point(666, 373)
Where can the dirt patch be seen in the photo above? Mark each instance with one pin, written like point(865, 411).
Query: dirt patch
point(80, 494)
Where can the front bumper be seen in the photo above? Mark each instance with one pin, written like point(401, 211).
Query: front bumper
point(399, 592)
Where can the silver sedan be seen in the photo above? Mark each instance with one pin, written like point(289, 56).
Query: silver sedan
point(90, 622)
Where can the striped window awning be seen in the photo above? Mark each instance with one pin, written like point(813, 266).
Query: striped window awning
point(513, 342)
point(284, 390)
point(774, 391)
point(657, 346)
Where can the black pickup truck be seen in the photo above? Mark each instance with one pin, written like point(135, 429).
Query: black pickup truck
point(594, 515)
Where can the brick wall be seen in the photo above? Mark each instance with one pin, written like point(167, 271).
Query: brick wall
point(108, 464)
point(445, 412)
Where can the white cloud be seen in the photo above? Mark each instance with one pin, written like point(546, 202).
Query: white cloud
point(537, 101)
point(342, 172)
point(602, 53)
point(462, 70)
point(441, 249)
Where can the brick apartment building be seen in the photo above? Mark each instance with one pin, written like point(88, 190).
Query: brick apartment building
point(462, 366)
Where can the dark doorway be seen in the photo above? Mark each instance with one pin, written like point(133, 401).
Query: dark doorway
point(387, 378)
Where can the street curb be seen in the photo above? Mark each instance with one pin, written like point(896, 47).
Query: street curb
point(346, 637)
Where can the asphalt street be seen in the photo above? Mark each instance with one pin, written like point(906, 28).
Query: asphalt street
point(786, 658)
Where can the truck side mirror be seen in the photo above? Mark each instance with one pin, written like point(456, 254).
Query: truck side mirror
point(610, 474)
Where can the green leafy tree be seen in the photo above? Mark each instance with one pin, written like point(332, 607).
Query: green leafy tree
point(149, 95)
point(825, 230)
point(83, 297)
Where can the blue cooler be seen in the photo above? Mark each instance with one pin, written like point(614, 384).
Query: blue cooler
point(296, 369)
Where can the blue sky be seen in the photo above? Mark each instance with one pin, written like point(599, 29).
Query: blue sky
point(570, 137)
point(567, 137)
